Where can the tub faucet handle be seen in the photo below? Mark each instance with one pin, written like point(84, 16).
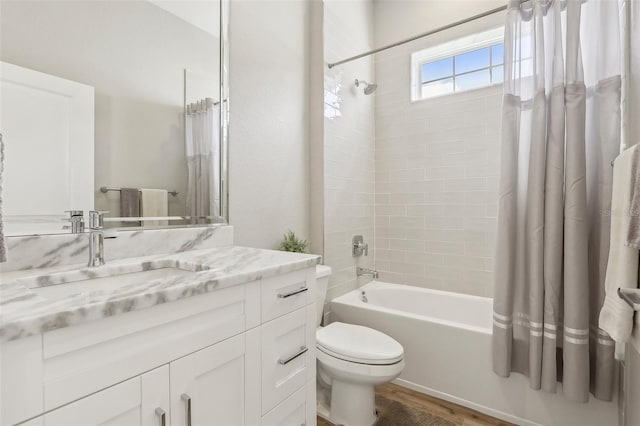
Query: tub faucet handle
point(359, 246)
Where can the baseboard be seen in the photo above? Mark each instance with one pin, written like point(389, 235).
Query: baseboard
point(480, 408)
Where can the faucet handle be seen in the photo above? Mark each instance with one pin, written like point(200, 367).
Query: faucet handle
point(74, 216)
point(96, 219)
point(76, 220)
point(359, 247)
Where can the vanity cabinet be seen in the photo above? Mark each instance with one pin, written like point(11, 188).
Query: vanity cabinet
point(131, 403)
point(242, 355)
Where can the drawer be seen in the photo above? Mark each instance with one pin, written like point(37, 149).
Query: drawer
point(83, 359)
point(286, 293)
point(291, 412)
point(288, 356)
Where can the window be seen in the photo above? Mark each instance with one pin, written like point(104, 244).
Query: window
point(463, 64)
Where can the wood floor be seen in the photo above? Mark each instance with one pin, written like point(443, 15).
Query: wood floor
point(454, 413)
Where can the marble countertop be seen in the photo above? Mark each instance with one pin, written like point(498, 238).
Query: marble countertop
point(25, 312)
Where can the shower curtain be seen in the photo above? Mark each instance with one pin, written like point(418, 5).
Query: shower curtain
point(203, 160)
point(560, 132)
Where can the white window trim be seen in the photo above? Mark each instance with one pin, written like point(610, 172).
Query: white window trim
point(446, 50)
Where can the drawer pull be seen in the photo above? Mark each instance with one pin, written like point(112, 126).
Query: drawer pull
point(292, 293)
point(163, 416)
point(185, 397)
point(286, 361)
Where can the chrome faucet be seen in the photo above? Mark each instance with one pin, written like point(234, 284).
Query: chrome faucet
point(364, 271)
point(76, 220)
point(96, 238)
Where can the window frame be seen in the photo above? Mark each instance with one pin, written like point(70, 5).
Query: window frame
point(451, 49)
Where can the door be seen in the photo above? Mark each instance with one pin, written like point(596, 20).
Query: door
point(208, 386)
point(135, 402)
point(53, 118)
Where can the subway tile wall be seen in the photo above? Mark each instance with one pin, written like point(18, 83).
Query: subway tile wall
point(349, 136)
point(436, 182)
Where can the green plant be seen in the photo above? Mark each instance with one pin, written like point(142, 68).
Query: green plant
point(292, 243)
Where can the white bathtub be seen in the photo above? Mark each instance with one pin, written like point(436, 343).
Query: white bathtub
point(447, 341)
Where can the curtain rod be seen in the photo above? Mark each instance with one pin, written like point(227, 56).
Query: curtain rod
point(419, 36)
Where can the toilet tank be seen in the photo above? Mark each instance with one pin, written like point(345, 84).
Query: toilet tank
point(322, 282)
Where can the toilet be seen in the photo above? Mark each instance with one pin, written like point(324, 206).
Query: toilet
point(351, 361)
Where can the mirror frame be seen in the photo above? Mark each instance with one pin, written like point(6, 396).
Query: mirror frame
point(225, 101)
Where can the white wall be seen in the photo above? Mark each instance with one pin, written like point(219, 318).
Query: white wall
point(134, 54)
point(316, 128)
point(348, 142)
point(400, 19)
point(436, 160)
point(268, 148)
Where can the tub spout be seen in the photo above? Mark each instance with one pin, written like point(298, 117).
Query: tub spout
point(364, 271)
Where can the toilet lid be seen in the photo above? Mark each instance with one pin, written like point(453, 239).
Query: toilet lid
point(358, 344)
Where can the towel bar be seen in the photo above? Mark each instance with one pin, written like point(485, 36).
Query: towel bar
point(105, 189)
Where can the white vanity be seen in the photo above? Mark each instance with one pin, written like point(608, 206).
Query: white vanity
point(230, 340)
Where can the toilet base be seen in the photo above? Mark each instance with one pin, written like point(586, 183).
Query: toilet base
point(352, 404)
point(351, 387)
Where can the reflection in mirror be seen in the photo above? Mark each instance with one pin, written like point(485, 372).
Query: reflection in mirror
point(112, 106)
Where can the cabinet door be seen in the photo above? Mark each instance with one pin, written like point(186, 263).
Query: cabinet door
point(156, 400)
point(129, 403)
point(208, 386)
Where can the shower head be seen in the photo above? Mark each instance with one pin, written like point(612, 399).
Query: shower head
point(369, 88)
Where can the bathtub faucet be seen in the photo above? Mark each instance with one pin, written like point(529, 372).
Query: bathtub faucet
point(364, 271)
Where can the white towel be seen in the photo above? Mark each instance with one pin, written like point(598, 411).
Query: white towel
point(154, 203)
point(616, 317)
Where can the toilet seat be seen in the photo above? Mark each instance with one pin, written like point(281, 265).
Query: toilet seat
point(358, 344)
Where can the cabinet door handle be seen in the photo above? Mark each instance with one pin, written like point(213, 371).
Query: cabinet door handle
point(292, 293)
point(286, 361)
point(163, 416)
point(186, 398)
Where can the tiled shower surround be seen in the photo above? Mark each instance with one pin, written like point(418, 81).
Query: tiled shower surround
point(436, 183)
point(418, 179)
point(348, 144)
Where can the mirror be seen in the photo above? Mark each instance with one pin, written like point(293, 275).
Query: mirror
point(118, 106)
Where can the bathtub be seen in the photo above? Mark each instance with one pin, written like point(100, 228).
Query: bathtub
point(447, 342)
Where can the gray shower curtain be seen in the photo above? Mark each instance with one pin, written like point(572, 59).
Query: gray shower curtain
point(560, 133)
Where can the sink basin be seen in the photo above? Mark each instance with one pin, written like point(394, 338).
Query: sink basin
point(106, 278)
point(109, 283)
